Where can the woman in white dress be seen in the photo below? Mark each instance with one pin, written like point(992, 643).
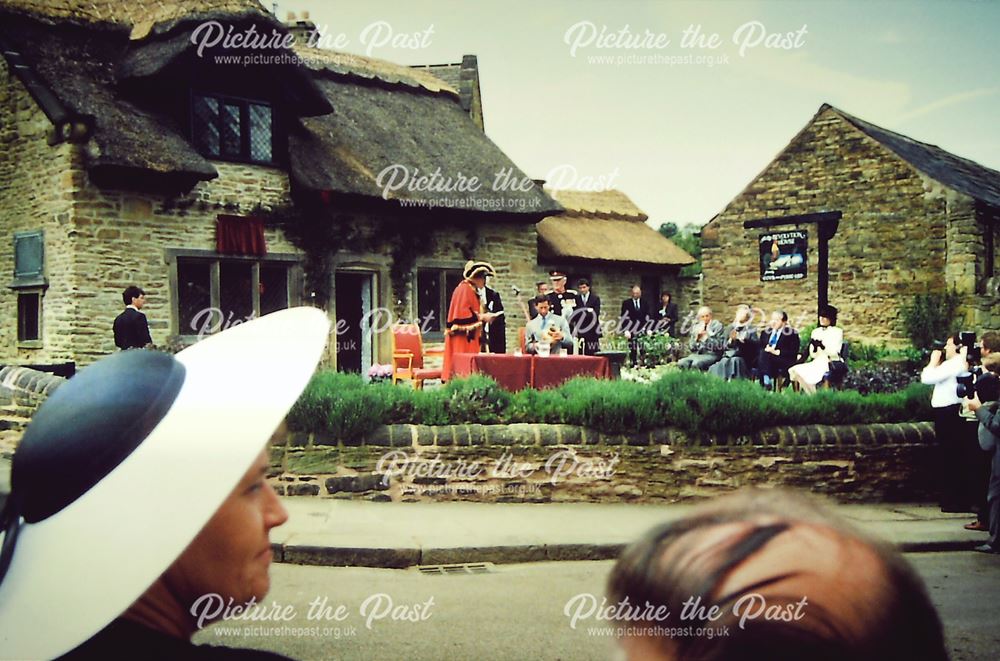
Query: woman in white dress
point(825, 344)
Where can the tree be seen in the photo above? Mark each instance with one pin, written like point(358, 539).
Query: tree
point(668, 229)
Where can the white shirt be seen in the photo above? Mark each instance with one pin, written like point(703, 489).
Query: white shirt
point(943, 379)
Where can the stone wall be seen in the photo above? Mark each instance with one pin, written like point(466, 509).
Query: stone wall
point(899, 233)
point(22, 391)
point(35, 178)
point(553, 463)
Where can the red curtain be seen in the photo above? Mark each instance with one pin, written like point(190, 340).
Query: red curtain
point(240, 235)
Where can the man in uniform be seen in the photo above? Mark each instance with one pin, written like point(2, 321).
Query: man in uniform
point(562, 301)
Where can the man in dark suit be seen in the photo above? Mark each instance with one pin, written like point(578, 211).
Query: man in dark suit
point(666, 316)
point(495, 332)
point(131, 328)
point(779, 349)
point(635, 320)
point(586, 319)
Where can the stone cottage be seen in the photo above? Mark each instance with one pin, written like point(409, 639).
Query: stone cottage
point(603, 236)
point(229, 183)
point(898, 217)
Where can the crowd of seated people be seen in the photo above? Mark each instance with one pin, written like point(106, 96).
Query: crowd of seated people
point(768, 353)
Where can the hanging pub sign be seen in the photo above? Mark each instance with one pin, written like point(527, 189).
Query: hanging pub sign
point(783, 255)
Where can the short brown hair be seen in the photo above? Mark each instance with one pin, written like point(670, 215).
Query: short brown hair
point(991, 341)
point(991, 361)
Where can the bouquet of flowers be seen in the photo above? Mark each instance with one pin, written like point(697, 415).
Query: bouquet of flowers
point(379, 373)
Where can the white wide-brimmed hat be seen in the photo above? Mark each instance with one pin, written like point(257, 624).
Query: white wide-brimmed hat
point(127, 461)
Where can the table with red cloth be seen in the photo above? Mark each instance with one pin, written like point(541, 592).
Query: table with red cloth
point(515, 372)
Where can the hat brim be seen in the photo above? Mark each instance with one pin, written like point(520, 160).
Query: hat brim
point(77, 570)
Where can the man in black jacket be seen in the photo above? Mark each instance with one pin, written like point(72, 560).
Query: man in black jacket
point(586, 319)
point(635, 320)
point(131, 328)
point(779, 349)
point(495, 332)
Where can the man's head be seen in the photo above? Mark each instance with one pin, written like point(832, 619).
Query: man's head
point(636, 292)
point(991, 362)
point(790, 579)
point(778, 319)
point(743, 314)
point(134, 296)
point(542, 305)
point(542, 287)
point(558, 279)
point(705, 314)
point(583, 286)
point(990, 342)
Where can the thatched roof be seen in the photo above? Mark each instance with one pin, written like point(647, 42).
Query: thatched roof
point(384, 114)
point(77, 64)
point(960, 174)
point(377, 126)
point(604, 226)
point(606, 203)
point(139, 15)
point(359, 67)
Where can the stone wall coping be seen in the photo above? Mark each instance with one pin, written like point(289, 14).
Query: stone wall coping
point(543, 434)
point(25, 379)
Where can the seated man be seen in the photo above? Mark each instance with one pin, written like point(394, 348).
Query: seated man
point(139, 488)
point(706, 342)
point(741, 350)
point(547, 328)
point(769, 574)
point(779, 349)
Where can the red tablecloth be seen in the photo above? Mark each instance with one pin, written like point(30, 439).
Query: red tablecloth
point(554, 370)
point(518, 372)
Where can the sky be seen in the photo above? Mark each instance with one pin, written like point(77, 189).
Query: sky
point(587, 93)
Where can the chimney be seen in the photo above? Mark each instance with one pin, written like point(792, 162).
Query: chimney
point(301, 28)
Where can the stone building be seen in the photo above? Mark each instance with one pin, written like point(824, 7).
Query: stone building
point(231, 183)
point(909, 218)
point(603, 236)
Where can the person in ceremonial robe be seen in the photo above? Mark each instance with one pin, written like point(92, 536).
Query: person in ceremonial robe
point(466, 317)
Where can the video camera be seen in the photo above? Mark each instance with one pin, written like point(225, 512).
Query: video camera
point(975, 382)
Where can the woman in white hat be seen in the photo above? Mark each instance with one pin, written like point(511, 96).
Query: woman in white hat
point(139, 487)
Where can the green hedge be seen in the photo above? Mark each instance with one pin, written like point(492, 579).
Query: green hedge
point(345, 406)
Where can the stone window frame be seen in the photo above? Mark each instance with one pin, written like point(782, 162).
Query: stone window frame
point(244, 104)
point(171, 255)
point(29, 283)
point(443, 266)
point(35, 343)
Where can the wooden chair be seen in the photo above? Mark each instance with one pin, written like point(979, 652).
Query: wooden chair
point(408, 356)
point(522, 334)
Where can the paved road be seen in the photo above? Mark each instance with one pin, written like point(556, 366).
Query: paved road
point(515, 612)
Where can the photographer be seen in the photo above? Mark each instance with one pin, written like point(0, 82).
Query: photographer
point(987, 414)
point(976, 459)
point(941, 372)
